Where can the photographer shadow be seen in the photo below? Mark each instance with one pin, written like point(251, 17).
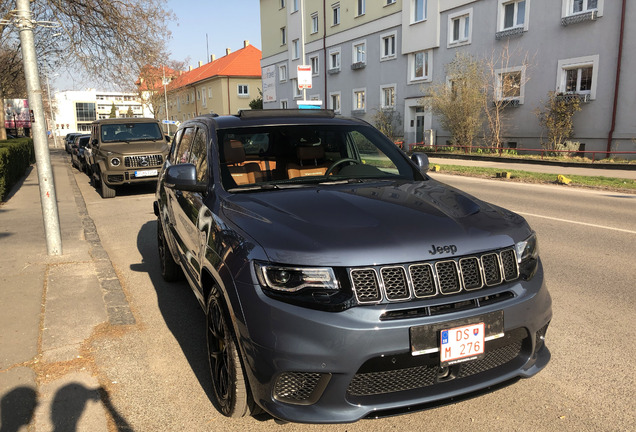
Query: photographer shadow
point(17, 408)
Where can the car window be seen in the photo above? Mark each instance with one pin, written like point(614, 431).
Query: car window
point(114, 132)
point(182, 154)
point(175, 146)
point(310, 154)
point(199, 154)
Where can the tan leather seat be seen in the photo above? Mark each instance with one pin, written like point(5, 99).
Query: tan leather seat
point(310, 162)
point(242, 173)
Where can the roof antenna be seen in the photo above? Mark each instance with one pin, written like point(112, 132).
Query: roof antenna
point(207, 47)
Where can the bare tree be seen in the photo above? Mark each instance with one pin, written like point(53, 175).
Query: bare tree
point(459, 102)
point(504, 83)
point(108, 40)
point(151, 81)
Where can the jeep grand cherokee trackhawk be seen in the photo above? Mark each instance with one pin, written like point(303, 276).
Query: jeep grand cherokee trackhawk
point(338, 279)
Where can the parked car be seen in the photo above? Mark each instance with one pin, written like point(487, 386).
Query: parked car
point(68, 140)
point(124, 151)
point(338, 279)
point(78, 148)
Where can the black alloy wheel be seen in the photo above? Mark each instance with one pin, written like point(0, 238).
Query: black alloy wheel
point(231, 394)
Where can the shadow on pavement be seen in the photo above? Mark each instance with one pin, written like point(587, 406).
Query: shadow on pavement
point(18, 407)
point(179, 307)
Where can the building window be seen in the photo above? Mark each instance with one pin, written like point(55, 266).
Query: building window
point(510, 84)
point(336, 13)
point(283, 35)
point(314, 22)
point(360, 52)
point(388, 46)
point(209, 92)
point(359, 99)
point(419, 65)
point(243, 90)
point(314, 65)
point(283, 103)
point(334, 60)
point(85, 111)
point(460, 28)
point(295, 49)
point(578, 76)
point(514, 14)
point(390, 2)
point(282, 73)
point(297, 92)
point(282, 4)
point(387, 95)
point(361, 7)
point(295, 5)
point(334, 102)
point(579, 6)
point(419, 10)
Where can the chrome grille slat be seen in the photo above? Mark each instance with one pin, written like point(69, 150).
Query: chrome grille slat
point(138, 161)
point(445, 277)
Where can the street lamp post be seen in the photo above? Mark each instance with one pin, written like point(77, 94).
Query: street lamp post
point(164, 81)
point(48, 89)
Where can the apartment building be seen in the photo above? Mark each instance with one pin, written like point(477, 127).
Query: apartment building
point(222, 86)
point(375, 55)
point(76, 110)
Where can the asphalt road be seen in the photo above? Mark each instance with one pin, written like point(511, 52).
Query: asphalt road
point(156, 371)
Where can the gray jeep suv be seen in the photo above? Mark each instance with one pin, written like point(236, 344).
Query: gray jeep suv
point(338, 279)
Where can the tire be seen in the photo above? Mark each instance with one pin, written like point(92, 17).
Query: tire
point(107, 191)
point(170, 270)
point(231, 393)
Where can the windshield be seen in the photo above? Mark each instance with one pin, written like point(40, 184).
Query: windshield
point(131, 132)
point(291, 156)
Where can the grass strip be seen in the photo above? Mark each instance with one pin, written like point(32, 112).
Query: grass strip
point(597, 182)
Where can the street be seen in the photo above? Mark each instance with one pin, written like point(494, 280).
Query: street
point(156, 371)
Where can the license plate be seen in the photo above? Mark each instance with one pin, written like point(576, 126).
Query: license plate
point(146, 173)
point(460, 344)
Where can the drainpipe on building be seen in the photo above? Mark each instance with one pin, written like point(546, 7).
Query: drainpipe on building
point(229, 106)
point(324, 48)
point(610, 136)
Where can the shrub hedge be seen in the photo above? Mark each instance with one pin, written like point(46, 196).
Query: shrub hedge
point(15, 157)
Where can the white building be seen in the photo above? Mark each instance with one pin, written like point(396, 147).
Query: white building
point(75, 110)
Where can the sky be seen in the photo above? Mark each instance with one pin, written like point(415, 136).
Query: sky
point(227, 24)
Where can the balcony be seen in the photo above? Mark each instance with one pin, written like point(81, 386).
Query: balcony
point(507, 33)
point(358, 65)
point(579, 18)
point(568, 97)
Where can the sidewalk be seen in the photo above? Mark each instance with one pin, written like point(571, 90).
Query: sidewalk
point(49, 308)
point(537, 167)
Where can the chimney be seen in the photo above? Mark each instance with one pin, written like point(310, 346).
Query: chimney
point(227, 51)
point(189, 68)
point(212, 57)
point(246, 43)
point(200, 63)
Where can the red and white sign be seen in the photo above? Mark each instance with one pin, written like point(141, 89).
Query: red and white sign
point(304, 77)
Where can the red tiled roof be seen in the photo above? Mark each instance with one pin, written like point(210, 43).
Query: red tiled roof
point(152, 77)
point(245, 62)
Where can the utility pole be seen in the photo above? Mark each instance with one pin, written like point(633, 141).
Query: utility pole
point(48, 198)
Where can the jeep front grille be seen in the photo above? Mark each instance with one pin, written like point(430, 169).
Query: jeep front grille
point(143, 161)
point(435, 278)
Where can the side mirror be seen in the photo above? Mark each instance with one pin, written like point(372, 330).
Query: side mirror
point(183, 177)
point(167, 138)
point(421, 160)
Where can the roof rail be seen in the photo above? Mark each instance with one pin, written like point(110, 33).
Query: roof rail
point(287, 112)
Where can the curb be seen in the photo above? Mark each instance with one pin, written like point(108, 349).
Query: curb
point(598, 165)
point(117, 306)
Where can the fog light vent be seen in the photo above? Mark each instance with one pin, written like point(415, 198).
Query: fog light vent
point(300, 388)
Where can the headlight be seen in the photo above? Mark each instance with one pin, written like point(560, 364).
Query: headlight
point(528, 256)
point(115, 162)
point(294, 279)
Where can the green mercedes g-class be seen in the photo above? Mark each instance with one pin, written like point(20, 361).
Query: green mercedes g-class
point(124, 151)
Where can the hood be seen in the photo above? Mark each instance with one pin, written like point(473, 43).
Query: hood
point(372, 224)
point(135, 147)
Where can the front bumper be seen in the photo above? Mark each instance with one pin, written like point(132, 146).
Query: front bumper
point(312, 366)
point(129, 176)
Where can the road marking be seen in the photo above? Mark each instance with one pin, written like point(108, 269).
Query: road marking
point(577, 222)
